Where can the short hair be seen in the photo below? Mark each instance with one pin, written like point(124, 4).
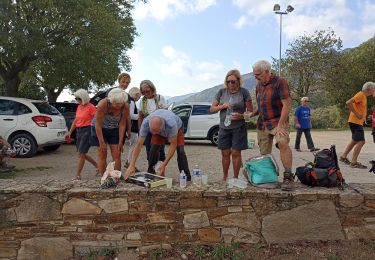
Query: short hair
point(368, 85)
point(304, 98)
point(262, 65)
point(117, 95)
point(83, 95)
point(123, 75)
point(237, 74)
point(134, 91)
point(147, 83)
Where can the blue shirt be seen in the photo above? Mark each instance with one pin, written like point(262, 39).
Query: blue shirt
point(303, 115)
point(171, 123)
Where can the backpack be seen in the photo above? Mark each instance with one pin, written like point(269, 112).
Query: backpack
point(262, 171)
point(326, 158)
point(318, 177)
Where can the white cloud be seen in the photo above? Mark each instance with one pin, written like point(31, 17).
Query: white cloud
point(164, 9)
point(241, 22)
point(210, 66)
point(207, 77)
point(179, 65)
point(368, 13)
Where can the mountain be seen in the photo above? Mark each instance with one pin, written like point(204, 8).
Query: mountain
point(208, 95)
point(177, 99)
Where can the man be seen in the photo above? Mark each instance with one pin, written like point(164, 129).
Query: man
point(302, 123)
point(274, 104)
point(162, 124)
point(358, 110)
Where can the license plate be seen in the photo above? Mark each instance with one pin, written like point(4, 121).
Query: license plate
point(62, 133)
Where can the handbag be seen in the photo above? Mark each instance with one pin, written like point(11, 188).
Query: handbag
point(261, 169)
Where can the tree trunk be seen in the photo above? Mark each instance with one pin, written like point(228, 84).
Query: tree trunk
point(11, 86)
point(52, 95)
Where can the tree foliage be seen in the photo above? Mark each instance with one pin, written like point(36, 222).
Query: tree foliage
point(63, 44)
point(308, 60)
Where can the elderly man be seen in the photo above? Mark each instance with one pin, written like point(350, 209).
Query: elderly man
point(162, 124)
point(302, 123)
point(358, 110)
point(274, 104)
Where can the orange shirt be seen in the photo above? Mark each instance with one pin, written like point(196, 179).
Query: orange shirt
point(360, 105)
point(84, 115)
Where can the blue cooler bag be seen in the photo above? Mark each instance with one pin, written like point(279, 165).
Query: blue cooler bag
point(261, 169)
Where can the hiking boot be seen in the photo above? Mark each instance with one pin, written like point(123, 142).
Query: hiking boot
point(287, 184)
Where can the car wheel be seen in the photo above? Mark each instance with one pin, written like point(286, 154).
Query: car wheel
point(51, 147)
point(214, 137)
point(24, 145)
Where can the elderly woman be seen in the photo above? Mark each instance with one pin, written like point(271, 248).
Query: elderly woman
point(135, 95)
point(149, 103)
point(232, 102)
point(108, 127)
point(84, 115)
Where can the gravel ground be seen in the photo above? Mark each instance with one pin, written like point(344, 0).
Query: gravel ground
point(61, 164)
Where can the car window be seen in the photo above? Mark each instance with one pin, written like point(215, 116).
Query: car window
point(7, 107)
point(23, 109)
point(201, 110)
point(65, 107)
point(182, 111)
point(46, 108)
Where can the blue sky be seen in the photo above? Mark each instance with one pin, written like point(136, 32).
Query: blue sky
point(186, 46)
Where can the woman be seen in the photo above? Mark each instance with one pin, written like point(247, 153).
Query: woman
point(135, 95)
point(108, 127)
point(232, 102)
point(84, 115)
point(149, 103)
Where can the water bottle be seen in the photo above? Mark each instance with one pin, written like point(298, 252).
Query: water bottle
point(197, 177)
point(182, 180)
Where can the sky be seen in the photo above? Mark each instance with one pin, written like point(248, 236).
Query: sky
point(186, 46)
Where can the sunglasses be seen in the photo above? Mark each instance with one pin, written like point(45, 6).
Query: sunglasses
point(78, 99)
point(231, 81)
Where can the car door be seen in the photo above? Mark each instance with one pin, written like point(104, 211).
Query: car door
point(201, 121)
point(8, 117)
point(183, 112)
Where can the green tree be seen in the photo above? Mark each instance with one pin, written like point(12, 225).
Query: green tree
point(308, 60)
point(66, 43)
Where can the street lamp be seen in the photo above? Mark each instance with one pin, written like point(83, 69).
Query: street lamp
point(276, 10)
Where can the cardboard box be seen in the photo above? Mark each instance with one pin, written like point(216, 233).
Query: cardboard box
point(146, 179)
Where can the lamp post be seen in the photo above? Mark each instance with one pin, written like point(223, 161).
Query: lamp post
point(276, 10)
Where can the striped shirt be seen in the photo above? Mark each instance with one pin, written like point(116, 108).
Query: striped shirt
point(269, 98)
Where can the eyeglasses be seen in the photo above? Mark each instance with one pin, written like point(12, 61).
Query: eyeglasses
point(146, 91)
point(231, 81)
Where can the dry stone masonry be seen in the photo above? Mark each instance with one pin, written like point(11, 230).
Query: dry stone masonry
point(52, 220)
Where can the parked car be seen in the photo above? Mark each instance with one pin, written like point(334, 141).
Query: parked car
point(31, 124)
point(199, 122)
point(68, 110)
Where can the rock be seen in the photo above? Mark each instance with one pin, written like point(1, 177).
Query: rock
point(351, 200)
point(196, 220)
point(34, 207)
point(246, 237)
point(209, 235)
point(80, 207)
point(314, 221)
point(114, 205)
point(39, 248)
point(245, 220)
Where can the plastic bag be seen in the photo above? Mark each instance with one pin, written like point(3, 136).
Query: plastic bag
point(110, 172)
point(261, 169)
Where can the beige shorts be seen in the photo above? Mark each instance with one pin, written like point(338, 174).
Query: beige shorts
point(265, 139)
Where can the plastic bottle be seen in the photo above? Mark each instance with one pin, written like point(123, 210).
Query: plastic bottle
point(182, 180)
point(197, 176)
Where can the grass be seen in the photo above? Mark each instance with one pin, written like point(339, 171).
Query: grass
point(15, 171)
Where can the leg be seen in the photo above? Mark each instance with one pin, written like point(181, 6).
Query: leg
point(357, 150)
point(148, 144)
point(309, 141)
point(237, 162)
point(298, 139)
point(162, 153)
point(153, 157)
point(116, 156)
point(285, 155)
point(81, 163)
point(265, 140)
point(182, 161)
point(91, 160)
point(102, 161)
point(225, 161)
point(348, 148)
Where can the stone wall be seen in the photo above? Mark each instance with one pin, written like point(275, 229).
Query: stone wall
point(43, 221)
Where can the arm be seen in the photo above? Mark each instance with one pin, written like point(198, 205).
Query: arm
point(296, 122)
point(140, 119)
point(123, 121)
point(136, 152)
point(350, 105)
point(215, 107)
point(100, 112)
point(72, 127)
point(128, 119)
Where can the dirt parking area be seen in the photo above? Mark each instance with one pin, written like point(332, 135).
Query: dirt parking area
point(61, 164)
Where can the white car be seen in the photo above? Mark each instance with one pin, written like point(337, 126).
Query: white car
point(31, 124)
point(199, 122)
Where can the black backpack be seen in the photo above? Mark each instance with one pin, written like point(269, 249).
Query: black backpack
point(317, 177)
point(326, 158)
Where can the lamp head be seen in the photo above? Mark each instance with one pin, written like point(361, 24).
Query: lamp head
point(289, 8)
point(276, 7)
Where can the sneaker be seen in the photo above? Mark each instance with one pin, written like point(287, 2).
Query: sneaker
point(358, 165)
point(314, 149)
point(287, 184)
point(298, 150)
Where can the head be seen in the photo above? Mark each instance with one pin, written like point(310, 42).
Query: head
point(82, 96)
point(135, 93)
point(305, 101)
point(369, 88)
point(156, 124)
point(147, 88)
point(117, 97)
point(123, 80)
point(233, 80)
point(262, 71)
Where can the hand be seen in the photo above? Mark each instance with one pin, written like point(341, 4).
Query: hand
point(359, 116)
point(225, 106)
point(102, 147)
point(161, 169)
point(129, 172)
point(281, 131)
point(128, 133)
point(120, 147)
point(298, 125)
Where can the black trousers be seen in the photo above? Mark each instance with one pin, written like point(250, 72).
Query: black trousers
point(161, 152)
point(310, 143)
